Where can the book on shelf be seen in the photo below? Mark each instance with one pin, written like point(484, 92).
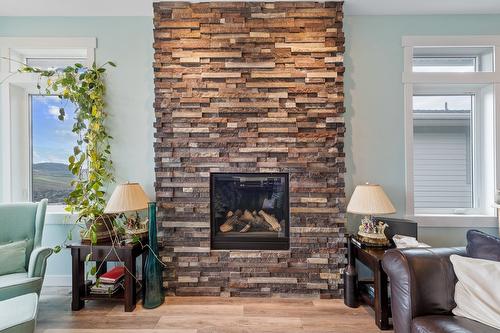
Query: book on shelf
point(113, 276)
point(105, 288)
point(109, 282)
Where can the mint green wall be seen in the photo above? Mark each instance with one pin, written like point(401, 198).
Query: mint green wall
point(374, 102)
point(128, 42)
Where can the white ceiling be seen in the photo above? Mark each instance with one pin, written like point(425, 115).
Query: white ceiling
point(144, 8)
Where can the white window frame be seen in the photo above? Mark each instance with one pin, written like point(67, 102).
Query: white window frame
point(15, 94)
point(413, 81)
point(477, 123)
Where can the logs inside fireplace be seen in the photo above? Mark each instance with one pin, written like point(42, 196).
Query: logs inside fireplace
point(249, 211)
point(250, 221)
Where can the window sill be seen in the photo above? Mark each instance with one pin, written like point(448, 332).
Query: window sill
point(455, 221)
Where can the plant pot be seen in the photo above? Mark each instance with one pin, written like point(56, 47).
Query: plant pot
point(104, 226)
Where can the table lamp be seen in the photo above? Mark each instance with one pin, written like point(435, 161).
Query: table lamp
point(129, 197)
point(369, 200)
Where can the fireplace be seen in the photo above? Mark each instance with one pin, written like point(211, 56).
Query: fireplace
point(249, 211)
point(236, 92)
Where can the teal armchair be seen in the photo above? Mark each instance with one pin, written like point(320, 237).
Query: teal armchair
point(18, 222)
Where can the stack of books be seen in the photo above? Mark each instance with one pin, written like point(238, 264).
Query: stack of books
point(109, 283)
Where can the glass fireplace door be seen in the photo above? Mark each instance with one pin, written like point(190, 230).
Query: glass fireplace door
point(249, 211)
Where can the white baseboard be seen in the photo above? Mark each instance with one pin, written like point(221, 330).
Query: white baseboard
point(57, 281)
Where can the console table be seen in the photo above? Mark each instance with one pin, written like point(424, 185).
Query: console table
point(101, 253)
point(372, 258)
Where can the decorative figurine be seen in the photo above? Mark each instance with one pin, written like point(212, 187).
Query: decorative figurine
point(134, 226)
point(372, 233)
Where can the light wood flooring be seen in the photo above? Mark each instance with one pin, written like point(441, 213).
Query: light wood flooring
point(203, 315)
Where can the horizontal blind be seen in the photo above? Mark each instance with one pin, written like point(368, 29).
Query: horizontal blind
point(442, 167)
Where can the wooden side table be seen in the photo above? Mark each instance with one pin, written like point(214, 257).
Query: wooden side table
point(372, 258)
point(101, 253)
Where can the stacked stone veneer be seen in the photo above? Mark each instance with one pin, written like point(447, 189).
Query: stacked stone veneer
point(250, 87)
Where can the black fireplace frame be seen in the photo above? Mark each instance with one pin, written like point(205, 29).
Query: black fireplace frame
point(249, 243)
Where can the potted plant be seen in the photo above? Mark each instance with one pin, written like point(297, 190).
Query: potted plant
point(90, 163)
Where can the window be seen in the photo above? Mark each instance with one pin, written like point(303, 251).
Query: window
point(34, 143)
point(466, 59)
point(444, 64)
point(53, 63)
point(52, 143)
point(450, 87)
point(443, 152)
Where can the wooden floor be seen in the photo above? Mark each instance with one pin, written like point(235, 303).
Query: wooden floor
point(203, 315)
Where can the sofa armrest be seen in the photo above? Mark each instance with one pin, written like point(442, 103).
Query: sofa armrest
point(38, 261)
point(422, 282)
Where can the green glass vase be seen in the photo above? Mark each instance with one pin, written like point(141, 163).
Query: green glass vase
point(153, 288)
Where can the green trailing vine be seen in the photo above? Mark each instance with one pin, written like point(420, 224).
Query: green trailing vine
point(90, 163)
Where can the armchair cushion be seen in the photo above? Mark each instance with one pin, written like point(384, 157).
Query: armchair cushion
point(13, 257)
point(18, 315)
point(12, 285)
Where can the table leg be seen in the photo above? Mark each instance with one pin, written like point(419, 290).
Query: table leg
point(381, 299)
point(134, 280)
point(351, 278)
point(78, 280)
point(130, 285)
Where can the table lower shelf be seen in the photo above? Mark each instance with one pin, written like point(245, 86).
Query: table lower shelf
point(369, 298)
point(117, 296)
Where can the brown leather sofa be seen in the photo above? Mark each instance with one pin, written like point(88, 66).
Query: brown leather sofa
point(422, 283)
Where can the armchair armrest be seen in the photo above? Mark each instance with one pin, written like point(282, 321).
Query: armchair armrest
point(38, 261)
point(422, 283)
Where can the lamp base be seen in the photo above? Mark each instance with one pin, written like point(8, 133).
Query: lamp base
point(104, 229)
point(141, 233)
point(370, 240)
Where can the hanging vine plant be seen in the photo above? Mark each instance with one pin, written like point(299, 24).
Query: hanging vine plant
point(90, 162)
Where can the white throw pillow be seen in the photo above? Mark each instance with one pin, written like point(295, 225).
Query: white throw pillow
point(477, 292)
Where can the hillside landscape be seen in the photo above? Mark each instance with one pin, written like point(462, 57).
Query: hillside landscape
point(51, 181)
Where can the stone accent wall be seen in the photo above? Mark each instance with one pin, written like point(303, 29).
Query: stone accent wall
point(250, 87)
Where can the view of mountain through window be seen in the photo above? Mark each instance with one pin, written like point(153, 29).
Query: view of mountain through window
point(52, 144)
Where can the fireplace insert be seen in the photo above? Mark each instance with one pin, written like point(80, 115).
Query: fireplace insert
point(249, 211)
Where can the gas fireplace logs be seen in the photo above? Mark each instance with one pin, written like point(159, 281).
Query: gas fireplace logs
point(250, 220)
point(232, 219)
point(273, 222)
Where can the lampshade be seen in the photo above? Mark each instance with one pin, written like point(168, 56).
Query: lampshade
point(127, 197)
point(370, 199)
